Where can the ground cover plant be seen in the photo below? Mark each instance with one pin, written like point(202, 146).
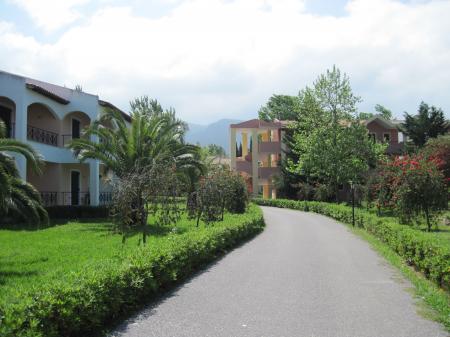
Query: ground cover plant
point(72, 279)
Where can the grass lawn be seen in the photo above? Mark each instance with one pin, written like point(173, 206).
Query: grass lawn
point(30, 259)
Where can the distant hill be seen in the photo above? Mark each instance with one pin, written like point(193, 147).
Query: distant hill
point(214, 133)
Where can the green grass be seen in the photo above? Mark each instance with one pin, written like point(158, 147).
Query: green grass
point(31, 259)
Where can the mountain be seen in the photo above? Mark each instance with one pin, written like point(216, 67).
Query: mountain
point(215, 133)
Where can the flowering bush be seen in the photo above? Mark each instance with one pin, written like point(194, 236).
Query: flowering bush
point(413, 186)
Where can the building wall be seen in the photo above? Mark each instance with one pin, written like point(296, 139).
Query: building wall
point(379, 130)
point(65, 176)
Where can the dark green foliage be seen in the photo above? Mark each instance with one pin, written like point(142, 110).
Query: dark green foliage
point(78, 212)
point(237, 198)
point(104, 292)
point(421, 250)
point(281, 107)
point(428, 123)
point(383, 112)
point(20, 202)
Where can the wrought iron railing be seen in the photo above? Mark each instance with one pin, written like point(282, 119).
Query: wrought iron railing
point(49, 198)
point(42, 136)
point(75, 198)
point(105, 198)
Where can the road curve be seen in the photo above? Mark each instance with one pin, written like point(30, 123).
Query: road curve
point(305, 275)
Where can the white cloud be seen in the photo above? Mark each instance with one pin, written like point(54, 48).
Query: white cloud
point(51, 14)
point(220, 58)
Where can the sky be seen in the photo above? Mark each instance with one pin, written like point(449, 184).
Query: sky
point(214, 59)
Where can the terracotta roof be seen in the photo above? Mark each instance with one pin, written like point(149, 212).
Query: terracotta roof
point(107, 104)
point(59, 94)
point(389, 124)
point(257, 124)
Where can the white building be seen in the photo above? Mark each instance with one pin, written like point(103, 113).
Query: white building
point(47, 117)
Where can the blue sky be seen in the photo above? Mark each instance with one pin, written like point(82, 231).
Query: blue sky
point(213, 59)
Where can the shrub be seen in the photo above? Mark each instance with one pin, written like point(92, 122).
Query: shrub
point(412, 186)
point(421, 250)
point(106, 291)
point(78, 212)
point(238, 196)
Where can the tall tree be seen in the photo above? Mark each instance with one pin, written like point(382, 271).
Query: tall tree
point(123, 148)
point(332, 146)
point(18, 198)
point(383, 111)
point(151, 138)
point(281, 107)
point(428, 123)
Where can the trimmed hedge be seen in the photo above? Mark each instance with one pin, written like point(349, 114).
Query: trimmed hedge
point(106, 292)
point(77, 212)
point(421, 250)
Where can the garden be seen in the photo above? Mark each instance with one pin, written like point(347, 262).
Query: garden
point(173, 211)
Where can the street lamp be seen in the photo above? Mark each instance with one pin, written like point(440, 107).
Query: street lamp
point(352, 187)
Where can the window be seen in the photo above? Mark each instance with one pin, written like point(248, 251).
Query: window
point(372, 137)
point(386, 137)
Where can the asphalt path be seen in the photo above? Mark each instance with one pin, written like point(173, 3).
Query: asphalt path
point(305, 275)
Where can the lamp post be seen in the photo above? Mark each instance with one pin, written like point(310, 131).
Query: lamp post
point(352, 187)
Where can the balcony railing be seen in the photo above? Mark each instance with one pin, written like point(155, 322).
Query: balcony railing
point(244, 166)
point(50, 198)
point(270, 147)
point(76, 198)
point(42, 136)
point(105, 198)
point(268, 172)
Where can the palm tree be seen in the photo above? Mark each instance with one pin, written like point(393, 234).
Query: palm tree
point(19, 199)
point(151, 138)
point(126, 148)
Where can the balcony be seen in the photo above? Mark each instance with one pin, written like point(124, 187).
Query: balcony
point(244, 166)
point(42, 136)
point(51, 198)
point(270, 147)
point(268, 172)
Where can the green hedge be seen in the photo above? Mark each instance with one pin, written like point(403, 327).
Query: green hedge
point(419, 249)
point(77, 212)
point(106, 292)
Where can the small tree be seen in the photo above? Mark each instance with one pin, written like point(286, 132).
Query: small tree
point(438, 149)
point(208, 201)
point(237, 197)
point(422, 189)
point(144, 192)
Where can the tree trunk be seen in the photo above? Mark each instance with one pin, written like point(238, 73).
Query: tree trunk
point(427, 216)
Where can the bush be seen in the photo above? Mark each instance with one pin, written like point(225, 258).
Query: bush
point(107, 291)
point(238, 196)
point(421, 250)
point(78, 212)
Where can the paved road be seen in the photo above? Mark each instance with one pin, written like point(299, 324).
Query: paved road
point(305, 275)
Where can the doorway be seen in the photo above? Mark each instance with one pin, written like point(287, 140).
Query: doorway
point(5, 116)
point(75, 128)
point(75, 187)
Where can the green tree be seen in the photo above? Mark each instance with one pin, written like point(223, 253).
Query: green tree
point(383, 111)
point(214, 150)
point(331, 144)
point(19, 199)
point(123, 148)
point(281, 107)
point(135, 148)
point(428, 123)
